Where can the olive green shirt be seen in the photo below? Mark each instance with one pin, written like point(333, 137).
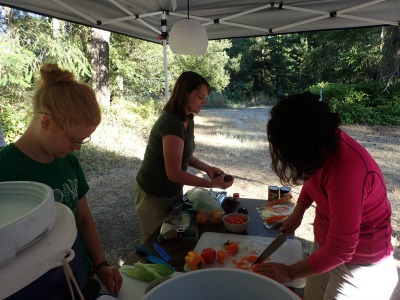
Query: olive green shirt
point(152, 176)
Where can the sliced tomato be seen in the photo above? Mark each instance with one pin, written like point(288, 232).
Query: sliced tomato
point(245, 262)
point(221, 256)
point(231, 247)
point(276, 218)
point(236, 219)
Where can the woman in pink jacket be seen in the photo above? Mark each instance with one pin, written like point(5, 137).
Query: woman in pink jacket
point(352, 255)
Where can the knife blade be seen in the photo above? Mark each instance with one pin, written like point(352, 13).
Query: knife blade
point(271, 248)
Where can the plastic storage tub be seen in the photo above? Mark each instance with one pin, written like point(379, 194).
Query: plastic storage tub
point(36, 233)
point(220, 283)
point(27, 211)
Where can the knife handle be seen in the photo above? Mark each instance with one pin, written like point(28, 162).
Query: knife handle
point(162, 252)
point(156, 260)
point(143, 250)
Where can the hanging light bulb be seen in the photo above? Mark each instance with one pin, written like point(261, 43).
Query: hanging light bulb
point(188, 36)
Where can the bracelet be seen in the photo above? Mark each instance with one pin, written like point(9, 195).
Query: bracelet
point(97, 267)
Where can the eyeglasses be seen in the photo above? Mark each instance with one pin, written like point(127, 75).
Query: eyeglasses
point(72, 142)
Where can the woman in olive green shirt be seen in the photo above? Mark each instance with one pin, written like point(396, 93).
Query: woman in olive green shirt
point(169, 152)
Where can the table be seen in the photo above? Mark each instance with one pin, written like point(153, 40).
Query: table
point(255, 228)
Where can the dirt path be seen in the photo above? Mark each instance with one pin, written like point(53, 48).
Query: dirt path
point(235, 140)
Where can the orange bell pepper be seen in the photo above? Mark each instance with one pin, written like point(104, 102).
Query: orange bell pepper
point(194, 260)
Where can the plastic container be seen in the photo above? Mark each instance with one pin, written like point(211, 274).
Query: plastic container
point(33, 263)
point(220, 283)
point(236, 228)
point(23, 205)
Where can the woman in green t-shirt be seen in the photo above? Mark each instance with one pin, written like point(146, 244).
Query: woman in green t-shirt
point(169, 152)
point(65, 114)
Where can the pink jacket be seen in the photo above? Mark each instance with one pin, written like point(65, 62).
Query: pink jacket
point(353, 213)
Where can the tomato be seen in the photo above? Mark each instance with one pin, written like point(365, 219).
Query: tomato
point(209, 255)
point(231, 247)
point(245, 262)
point(221, 255)
point(236, 219)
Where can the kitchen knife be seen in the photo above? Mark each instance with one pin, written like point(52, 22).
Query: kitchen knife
point(150, 256)
point(271, 248)
point(162, 252)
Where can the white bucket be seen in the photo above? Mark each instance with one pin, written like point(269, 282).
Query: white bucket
point(44, 254)
point(27, 211)
point(220, 283)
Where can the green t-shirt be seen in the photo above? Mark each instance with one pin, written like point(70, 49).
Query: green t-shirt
point(64, 175)
point(152, 176)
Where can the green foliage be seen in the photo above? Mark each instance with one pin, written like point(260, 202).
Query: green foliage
point(15, 64)
point(346, 64)
point(249, 66)
point(132, 114)
point(136, 68)
point(365, 102)
point(46, 40)
point(14, 117)
point(211, 65)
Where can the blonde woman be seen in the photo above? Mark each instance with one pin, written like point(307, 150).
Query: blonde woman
point(65, 114)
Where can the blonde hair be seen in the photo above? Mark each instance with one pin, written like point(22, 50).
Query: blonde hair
point(66, 100)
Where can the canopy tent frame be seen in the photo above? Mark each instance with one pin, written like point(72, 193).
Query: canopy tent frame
point(152, 20)
point(343, 13)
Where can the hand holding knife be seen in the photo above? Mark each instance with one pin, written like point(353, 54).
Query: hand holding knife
point(271, 248)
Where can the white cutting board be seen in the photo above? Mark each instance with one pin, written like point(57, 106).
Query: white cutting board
point(289, 253)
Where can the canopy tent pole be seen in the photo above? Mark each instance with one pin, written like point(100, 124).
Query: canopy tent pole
point(164, 36)
point(165, 47)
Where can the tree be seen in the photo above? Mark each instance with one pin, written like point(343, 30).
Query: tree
point(136, 68)
point(212, 64)
point(100, 65)
point(389, 66)
point(249, 67)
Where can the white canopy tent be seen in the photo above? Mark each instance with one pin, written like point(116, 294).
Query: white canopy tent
point(151, 20)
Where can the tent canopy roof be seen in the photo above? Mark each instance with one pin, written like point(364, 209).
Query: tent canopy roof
point(222, 18)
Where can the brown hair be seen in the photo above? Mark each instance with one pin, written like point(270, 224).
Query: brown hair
point(301, 131)
point(186, 83)
point(66, 100)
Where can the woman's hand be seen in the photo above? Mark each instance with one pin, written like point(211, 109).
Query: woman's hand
point(110, 278)
point(219, 181)
point(277, 271)
point(214, 172)
point(290, 224)
point(293, 221)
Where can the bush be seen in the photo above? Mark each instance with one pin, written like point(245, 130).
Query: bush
point(14, 114)
point(366, 102)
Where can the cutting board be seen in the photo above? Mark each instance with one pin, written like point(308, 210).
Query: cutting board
point(289, 253)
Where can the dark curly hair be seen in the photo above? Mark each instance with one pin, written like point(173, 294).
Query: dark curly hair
point(301, 130)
